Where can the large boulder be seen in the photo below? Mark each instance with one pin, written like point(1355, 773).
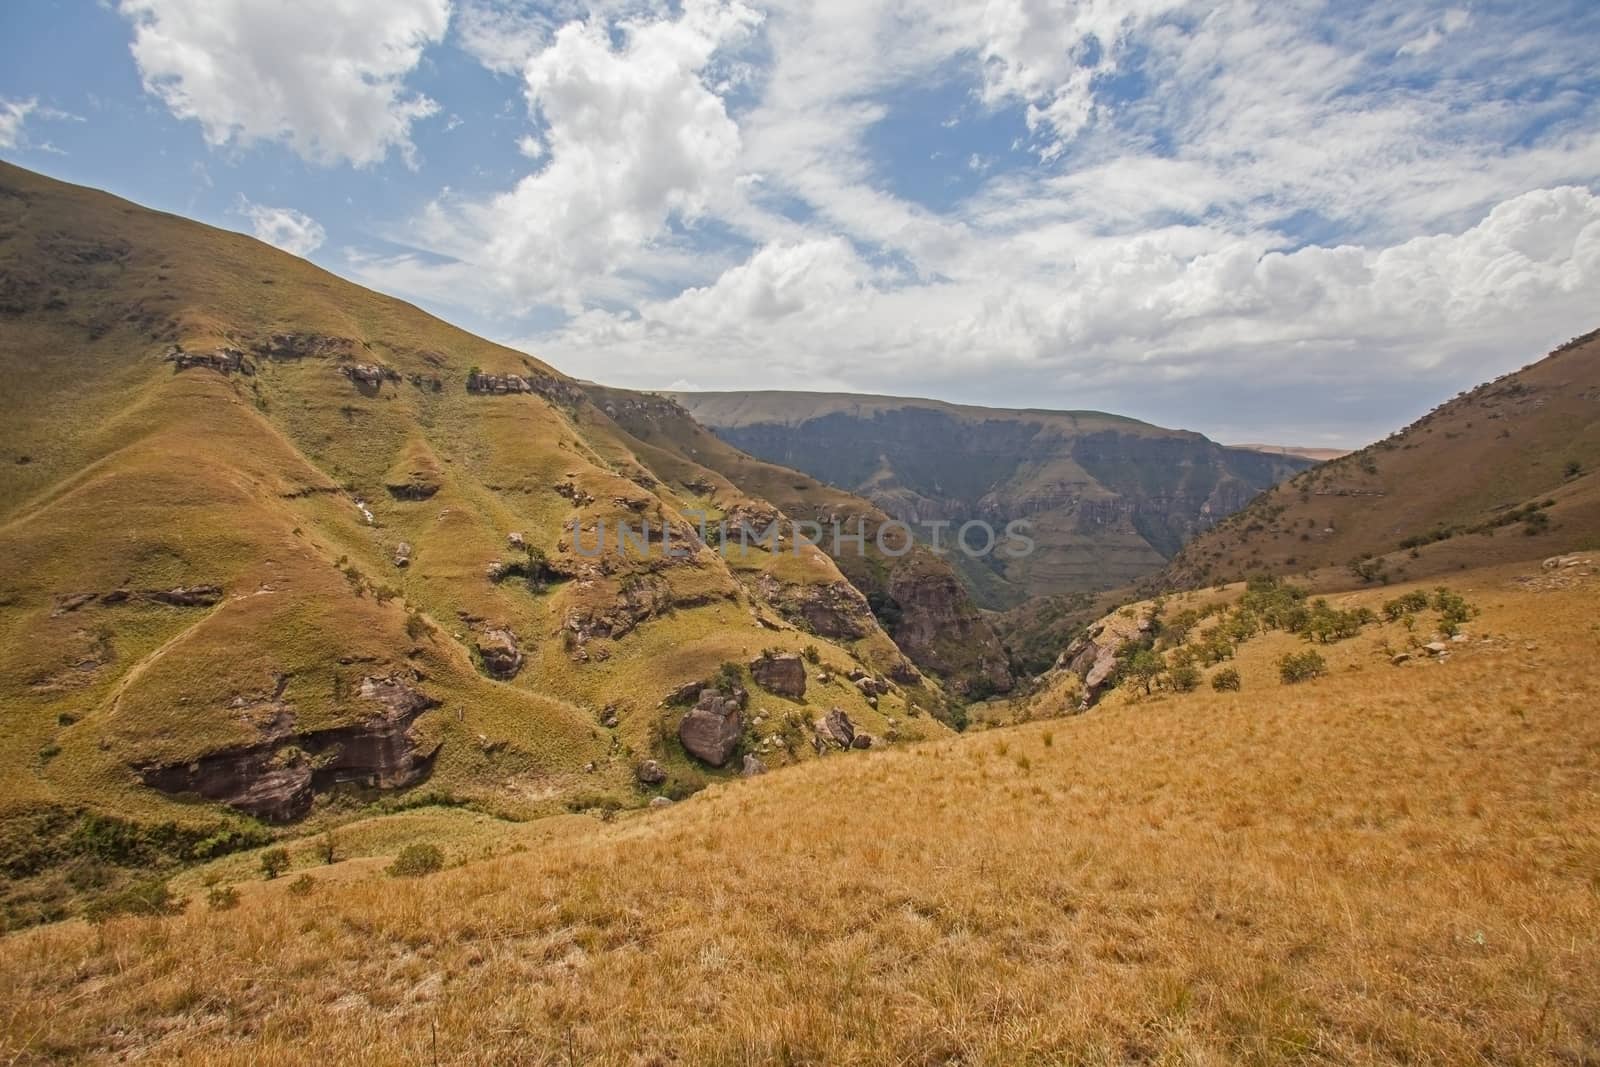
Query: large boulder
point(836, 728)
point(500, 654)
point(782, 673)
point(649, 772)
point(710, 731)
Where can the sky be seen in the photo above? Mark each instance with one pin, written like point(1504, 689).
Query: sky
point(1284, 221)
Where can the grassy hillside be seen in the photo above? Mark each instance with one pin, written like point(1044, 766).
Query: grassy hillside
point(1501, 472)
point(1110, 498)
point(1384, 864)
point(264, 556)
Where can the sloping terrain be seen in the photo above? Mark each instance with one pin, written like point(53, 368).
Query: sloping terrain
point(273, 545)
point(1386, 864)
point(1109, 499)
point(1498, 473)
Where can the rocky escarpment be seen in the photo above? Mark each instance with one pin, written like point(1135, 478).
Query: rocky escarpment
point(277, 777)
point(783, 673)
point(932, 620)
point(836, 611)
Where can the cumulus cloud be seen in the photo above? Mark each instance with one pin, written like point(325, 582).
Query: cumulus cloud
point(293, 231)
point(327, 77)
point(632, 136)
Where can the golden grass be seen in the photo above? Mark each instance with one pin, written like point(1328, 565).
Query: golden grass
point(1385, 865)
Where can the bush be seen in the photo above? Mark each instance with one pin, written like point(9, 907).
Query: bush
point(302, 885)
point(415, 861)
point(274, 861)
point(812, 655)
point(151, 897)
point(730, 676)
point(1301, 667)
point(222, 898)
point(1226, 680)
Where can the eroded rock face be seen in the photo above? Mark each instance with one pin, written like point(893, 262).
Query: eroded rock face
point(837, 611)
point(1093, 657)
point(942, 632)
point(305, 346)
point(710, 731)
point(194, 596)
point(501, 656)
point(369, 374)
point(784, 674)
point(277, 778)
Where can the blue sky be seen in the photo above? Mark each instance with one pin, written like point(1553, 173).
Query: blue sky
point(1292, 221)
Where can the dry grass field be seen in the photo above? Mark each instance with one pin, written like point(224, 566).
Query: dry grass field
point(1389, 864)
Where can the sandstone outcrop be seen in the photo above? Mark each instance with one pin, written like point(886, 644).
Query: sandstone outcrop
point(277, 778)
point(781, 673)
point(221, 360)
point(836, 729)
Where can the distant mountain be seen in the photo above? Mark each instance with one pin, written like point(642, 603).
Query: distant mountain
point(1501, 473)
point(1318, 455)
point(1109, 499)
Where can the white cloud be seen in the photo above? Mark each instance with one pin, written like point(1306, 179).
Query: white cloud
point(293, 231)
point(325, 76)
point(1242, 191)
point(13, 115)
point(633, 137)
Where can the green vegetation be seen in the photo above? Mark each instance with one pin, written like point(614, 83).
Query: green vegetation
point(1296, 667)
point(1226, 680)
point(414, 861)
point(274, 861)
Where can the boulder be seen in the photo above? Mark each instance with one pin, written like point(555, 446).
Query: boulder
point(402, 554)
point(649, 772)
point(710, 731)
point(1434, 648)
point(861, 741)
point(661, 802)
point(836, 728)
point(783, 673)
point(501, 656)
point(514, 539)
point(752, 766)
point(872, 687)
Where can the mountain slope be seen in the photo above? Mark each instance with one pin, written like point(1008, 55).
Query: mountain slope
point(262, 547)
point(1332, 872)
point(1110, 499)
point(1499, 473)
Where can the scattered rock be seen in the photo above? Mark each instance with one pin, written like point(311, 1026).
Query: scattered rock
point(1434, 648)
point(661, 802)
point(1460, 639)
point(649, 772)
point(370, 375)
point(608, 717)
point(501, 657)
point(68, 602)
point(861, 741)
point(197, 596)
point(752, 766)
point(783, 673)
point(402, 554)
point(872, 687)
point(1399, 658)
point(710, 730)
point(223, 360)
point(514, 540)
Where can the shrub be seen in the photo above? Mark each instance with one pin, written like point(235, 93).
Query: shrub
point(1301, 667)
point(274, 861)
point(1452, 607)
point(222, 898)
point(730, 676)
point(150, 897)
point(1185, 678)
point(302, 885)
point(1226, 680)
point(812, 655)
point(414, 861)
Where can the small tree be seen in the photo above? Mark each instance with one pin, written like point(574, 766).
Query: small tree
point(1144, 667)
point(1185, 678)
point(274, 861)
point(328, 847)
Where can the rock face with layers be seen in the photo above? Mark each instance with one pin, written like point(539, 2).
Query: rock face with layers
point(1093, 657)
point(277, 778)
point(938, 627)
point(710, 731)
